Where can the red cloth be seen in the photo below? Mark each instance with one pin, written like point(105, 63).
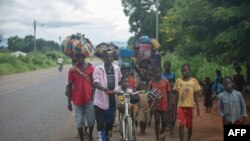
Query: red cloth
point(132, 82)
point(185, 113)
point(82, 89)
point(164, 87)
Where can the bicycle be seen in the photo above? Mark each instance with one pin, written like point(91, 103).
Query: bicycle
point(127, 129)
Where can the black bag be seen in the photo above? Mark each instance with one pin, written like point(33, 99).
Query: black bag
point(134, 98)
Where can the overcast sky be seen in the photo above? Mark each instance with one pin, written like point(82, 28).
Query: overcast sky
point(99, 20)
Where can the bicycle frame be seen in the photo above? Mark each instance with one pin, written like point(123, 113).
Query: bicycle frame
point(127, 120)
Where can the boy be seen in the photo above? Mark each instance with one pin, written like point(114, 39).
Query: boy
point(143, 114)
point(188, 89)
point(231, 105)
point(170, 76)
point(120, 99)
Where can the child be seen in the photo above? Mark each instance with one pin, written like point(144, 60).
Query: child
point(122, 88)
point(127, 73)
point(160, 106)
point(238, 79)
point(207, 92)
point(217, 86)
point(143, 109)
point(132, 81)
point(188, 89)
point(167, 74)
point(231, 105)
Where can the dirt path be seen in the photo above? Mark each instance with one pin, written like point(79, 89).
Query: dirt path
point(208, 126)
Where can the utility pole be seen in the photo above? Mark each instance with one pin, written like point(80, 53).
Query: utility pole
point(34, 36)
point(60, 45)
point(157, 19)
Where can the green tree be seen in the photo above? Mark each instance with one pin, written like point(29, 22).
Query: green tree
point(29, 43)
point(15, 43)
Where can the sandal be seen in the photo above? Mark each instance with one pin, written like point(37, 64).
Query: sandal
point(110, 133)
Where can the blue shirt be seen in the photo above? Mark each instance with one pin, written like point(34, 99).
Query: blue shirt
point(231, 106)
point(170, 76)
point(218, 88)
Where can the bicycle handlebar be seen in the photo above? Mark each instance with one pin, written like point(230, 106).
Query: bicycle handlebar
point(123, 93)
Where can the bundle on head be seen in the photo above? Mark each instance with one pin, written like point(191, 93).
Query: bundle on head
point(78, 43)
point(103, 47)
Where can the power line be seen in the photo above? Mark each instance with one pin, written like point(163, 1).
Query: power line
point(92, 28)
point(47, 33)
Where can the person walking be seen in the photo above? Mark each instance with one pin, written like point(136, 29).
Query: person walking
point(106, 77)
point(170, 76)
point(80, 92)
point(208, 92)
point(231, 105)
point(238, 79)
point(160, 105)
point(188, 89)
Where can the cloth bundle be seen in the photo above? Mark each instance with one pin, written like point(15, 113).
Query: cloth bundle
point(102, 47)
point(78, 43)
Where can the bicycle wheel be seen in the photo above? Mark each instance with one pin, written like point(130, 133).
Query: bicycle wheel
point(128, 129)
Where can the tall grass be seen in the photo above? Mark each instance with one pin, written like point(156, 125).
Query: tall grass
point(200, 67)
point(10, 64)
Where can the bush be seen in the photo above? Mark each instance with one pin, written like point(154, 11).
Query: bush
point(200, 67)
point(11, 64)
point(6, 69)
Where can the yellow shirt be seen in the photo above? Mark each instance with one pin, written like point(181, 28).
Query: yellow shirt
point(186, 90)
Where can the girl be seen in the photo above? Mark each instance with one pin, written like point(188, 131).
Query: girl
point(160, 106)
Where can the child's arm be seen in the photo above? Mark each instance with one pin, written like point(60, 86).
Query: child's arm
point(243, 109)
point(196, 94)
point(221, 107)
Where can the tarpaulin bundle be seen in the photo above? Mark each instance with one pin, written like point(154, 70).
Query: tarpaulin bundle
point(78, 43)
point(102, 47)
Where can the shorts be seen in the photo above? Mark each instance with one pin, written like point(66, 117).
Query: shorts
point(143, 116)
point(185, 114)
point(84, 113)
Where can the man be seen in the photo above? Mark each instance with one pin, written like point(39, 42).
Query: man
point(80, 91)
point(106, 77)
point(60, 63)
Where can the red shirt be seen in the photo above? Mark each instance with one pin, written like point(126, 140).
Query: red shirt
point(82, 89)
point(164, 87)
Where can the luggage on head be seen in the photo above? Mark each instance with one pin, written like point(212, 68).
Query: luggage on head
point(102, 47)
point(78, 43)
point(145, 51)
point(143, 48)
point(125, 57)
point(155, 43)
